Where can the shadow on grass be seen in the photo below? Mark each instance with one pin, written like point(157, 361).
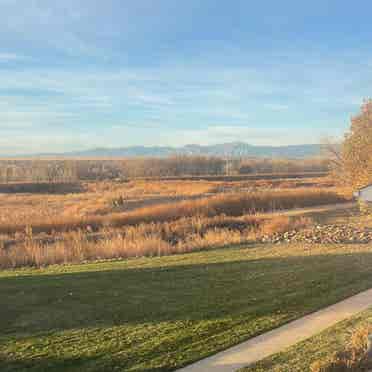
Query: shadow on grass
point(42, 365)
point(82, 364)
point(193, 292)
point(227, 294)
point(70, 364)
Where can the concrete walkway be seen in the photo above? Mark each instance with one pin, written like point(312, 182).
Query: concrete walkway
point(272, 342)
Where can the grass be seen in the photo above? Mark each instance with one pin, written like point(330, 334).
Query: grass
point(96, 198)
point(146, 240)
point(157, 314)
point(228, 204)
point(322, 347)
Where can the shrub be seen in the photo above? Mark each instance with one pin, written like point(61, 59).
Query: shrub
point(353, 358)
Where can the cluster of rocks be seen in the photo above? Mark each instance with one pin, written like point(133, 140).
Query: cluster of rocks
point(323, 234)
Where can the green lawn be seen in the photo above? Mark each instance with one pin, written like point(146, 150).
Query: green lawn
point(156, 314)
point(300, 357)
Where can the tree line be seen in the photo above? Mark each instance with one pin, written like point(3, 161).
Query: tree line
point(72, 170)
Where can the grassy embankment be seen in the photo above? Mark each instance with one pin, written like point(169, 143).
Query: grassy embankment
point(322, 347)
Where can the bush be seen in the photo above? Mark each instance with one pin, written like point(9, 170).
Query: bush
point(353, 358)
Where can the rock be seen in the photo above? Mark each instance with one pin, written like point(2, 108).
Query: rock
point(323, 234)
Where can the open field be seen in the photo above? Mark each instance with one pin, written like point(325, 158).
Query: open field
point(117, 219)
point(161, 313)
point(172, 270)
point(229, 204)
point(47, 200)
point(184, 217)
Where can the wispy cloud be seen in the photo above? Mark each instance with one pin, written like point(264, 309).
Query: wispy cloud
point(179, 104)
point(177, 72)
point(10, 57)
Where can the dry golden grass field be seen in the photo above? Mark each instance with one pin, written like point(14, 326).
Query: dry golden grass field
point(120, 219)
point(99, 197)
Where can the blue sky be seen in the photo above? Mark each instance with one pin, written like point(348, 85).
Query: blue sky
point(80, 74)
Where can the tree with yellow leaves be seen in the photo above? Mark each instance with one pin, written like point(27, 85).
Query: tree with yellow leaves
point(356, 151)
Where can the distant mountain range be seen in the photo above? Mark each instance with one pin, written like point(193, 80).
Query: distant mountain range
point(233, 149)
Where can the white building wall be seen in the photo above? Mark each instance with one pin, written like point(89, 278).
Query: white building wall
point(366, 194)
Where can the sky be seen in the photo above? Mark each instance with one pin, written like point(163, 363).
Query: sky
point(79, 74)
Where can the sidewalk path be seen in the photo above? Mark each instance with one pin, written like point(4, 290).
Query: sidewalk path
point(274, 341)
point(309, 210)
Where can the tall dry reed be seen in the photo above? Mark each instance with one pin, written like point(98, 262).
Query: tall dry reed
point(154, 239)
point(226, 204)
